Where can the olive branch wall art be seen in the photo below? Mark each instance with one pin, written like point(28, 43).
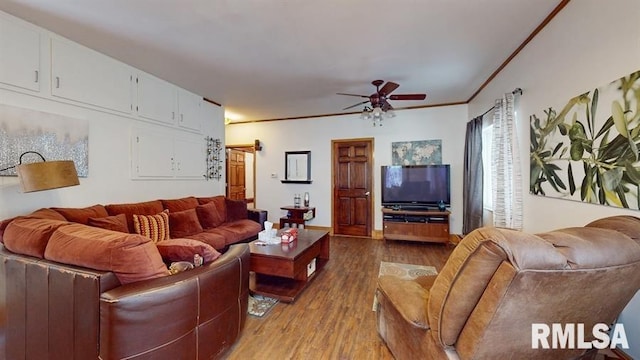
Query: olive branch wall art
point(588, 151)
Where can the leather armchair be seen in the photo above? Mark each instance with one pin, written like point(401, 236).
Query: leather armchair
point(498, 282)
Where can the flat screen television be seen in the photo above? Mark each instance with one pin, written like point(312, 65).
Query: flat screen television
point(415, 186)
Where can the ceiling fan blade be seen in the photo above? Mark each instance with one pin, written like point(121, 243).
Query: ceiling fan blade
point(385, 105)
point(388, 88)
point(352, 106)
point(362, 96)
point(408, 97)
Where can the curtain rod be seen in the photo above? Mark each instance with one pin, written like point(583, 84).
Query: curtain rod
point(515, 91)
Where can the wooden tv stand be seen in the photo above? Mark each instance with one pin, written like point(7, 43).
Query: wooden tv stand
point(425, 226)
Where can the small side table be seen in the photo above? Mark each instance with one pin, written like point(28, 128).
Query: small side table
point(297, 215)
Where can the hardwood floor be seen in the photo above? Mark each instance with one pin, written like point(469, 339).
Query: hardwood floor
point(333, 318)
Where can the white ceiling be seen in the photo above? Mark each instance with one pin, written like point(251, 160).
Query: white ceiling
point(267, 59)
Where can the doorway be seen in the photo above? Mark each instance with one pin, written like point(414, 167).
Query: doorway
point(352, 201)
point(240, 174)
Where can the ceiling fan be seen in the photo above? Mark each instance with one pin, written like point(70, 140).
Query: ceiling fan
point(381, 96)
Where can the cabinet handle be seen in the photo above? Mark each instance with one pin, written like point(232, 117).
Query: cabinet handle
point(173, 115)
point(57, 82)
point(181, 117)
point(37, 76)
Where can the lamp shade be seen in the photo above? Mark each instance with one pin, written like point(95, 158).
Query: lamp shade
point(47, 175)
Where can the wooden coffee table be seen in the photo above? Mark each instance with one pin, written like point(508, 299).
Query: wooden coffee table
point(283, 271)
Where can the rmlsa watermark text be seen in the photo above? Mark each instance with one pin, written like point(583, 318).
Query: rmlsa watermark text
point(572, 336)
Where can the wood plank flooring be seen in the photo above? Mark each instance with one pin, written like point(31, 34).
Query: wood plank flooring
point(333, 318)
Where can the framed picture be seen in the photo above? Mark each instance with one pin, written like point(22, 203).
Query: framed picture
point(297, 166)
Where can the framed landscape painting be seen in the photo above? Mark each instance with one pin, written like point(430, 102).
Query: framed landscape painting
point(587, 149)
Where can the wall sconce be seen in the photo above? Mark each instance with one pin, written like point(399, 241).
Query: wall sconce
point(45, 175)
point(256, 145)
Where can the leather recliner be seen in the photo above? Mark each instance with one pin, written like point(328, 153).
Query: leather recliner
point(497, 283)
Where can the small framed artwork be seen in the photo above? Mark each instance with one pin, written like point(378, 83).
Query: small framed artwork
point(297, 167)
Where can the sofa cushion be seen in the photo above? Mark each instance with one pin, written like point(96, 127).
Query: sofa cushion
point(141, 208)
point(184, 223)
point(243, 229)
point(155, 227)
point(210, 215)
point(236, 209)
point(29, 236)
point(114, 222)
point(46, 213)
point(130, 257)
point(185, 249)
point(238, 230)
point(82, 215)
point(175, 205)
point(218, 199)
point(217, 241)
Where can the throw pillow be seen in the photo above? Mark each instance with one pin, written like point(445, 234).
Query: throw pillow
point(185, 249)
point(155, 227)
point(236, 210)
point(184, 223)
point(114, 223)
point(210, 215)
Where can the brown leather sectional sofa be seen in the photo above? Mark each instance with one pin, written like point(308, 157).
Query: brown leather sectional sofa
point(69, 290)
point(498, 282)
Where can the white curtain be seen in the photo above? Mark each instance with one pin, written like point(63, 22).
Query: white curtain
point(505, 169)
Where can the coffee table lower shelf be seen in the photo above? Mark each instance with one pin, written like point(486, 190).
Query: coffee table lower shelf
point(281, 288)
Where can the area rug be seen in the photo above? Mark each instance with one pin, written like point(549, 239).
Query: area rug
point(260, 305)
point(403, 271)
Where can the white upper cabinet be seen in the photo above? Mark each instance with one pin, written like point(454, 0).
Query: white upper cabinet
point(190, 106)
point(157, 99)
point(81, 74)
point(19, 54)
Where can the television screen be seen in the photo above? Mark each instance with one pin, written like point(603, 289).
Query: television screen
point(417, 185)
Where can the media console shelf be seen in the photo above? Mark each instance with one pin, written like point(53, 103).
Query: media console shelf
point(415, 225)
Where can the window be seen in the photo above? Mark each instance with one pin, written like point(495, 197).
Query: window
point(487, 147)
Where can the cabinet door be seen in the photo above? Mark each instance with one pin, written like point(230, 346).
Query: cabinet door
point(190, 110)
point(81, 74)
point(157, 99)
point(19, 54)
point(189, 155)
point(152, 155)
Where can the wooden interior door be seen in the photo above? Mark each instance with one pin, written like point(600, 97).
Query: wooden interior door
point(352, 186)
point(235, 175)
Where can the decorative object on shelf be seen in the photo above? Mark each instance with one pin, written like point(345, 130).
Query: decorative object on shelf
point(44, 175)
point(306, 199)
point(297, 167)
point(423, 152)
point(54, 136)
point(257, 146)
point(296, 200)
point(215, 158)
point(587, 148)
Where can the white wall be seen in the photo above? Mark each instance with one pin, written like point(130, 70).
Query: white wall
point(109, 179)
point(588, 44)
point(446, 123)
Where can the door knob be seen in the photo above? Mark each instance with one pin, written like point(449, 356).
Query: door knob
point(367, 193)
